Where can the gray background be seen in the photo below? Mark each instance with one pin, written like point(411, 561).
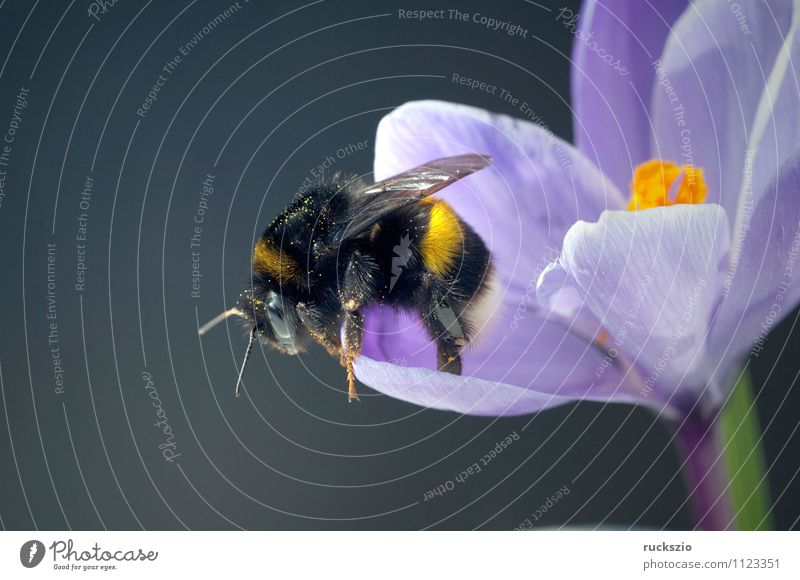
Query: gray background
point(270, 101)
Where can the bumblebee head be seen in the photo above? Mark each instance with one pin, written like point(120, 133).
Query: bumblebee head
point(269, 317)
point(273, 319)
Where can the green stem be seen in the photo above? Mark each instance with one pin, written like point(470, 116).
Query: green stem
point(744, 459)
point(724, 468)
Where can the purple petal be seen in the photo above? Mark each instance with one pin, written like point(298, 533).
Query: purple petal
point(537, 182)
point(521, 206)
point(776, 128)
point(475, 396)
point(612, 79)
point(709, 85)
point(764, 285)
point(557, 292)
point(652, 278)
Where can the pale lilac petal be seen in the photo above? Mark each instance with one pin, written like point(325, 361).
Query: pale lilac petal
point(764, 284)
point(521, 206)
point(558, 293)
point(652, 278)
point(475, 396)
point(776, 128)
point(527, 353)
point(612, 79)
point(538, 185)
point(709, 86)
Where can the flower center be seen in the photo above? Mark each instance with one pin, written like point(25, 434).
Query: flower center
point(654, 180)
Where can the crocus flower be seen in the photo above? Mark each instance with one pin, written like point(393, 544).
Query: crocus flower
point(643, 264)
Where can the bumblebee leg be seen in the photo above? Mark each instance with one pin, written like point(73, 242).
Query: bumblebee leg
point(353, 336)
point(357, 289)
point(446, 329)
point(324, 334)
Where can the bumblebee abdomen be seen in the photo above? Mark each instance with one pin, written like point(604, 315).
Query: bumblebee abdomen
point(442, 243)
point(430, 243)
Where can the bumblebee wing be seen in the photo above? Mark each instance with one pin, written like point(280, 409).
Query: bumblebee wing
point(373, 202)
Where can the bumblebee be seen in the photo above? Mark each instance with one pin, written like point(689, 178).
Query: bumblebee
point(344, 245)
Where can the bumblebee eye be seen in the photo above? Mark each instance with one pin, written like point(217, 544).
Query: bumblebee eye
point(280, 325)
point(277, 321)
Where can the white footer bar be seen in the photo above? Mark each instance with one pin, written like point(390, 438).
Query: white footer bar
point(389, 555)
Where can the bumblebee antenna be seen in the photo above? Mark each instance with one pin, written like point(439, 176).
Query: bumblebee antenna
point(217, 319)
point(246, 358)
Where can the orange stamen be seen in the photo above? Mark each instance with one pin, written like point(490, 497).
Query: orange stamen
point(653, 180)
